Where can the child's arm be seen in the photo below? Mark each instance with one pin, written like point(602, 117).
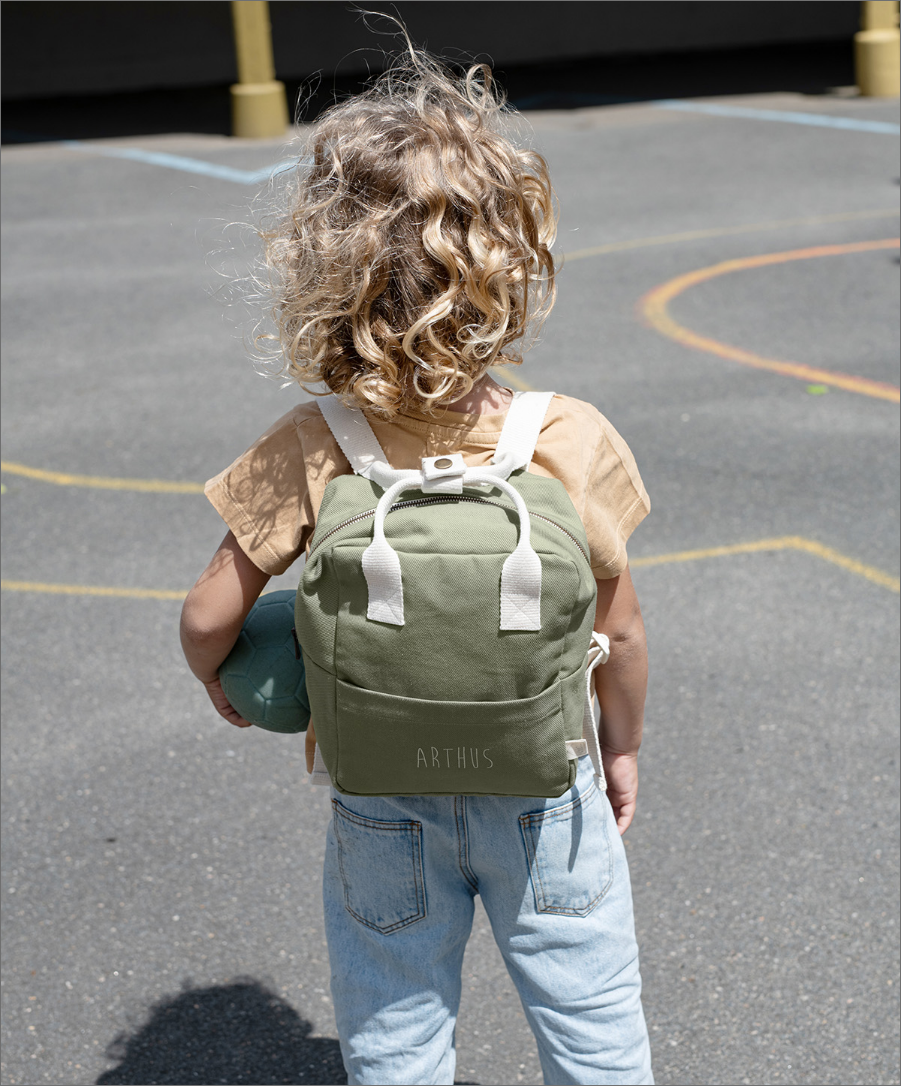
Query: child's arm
point(621, 686)
point(213, 615)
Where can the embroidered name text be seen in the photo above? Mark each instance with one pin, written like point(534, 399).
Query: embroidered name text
point(453, 758)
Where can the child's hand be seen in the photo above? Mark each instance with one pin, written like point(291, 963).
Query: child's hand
point(621, 771)
point(223, 708)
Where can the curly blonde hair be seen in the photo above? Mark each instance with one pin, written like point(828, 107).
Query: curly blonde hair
point(416, 249)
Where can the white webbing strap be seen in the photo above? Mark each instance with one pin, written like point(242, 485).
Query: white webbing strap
point(515, 447)
point(381, 566)
point(598, 653)
point(520, 595)
point(520, 590)
point(353, 434)
point(525, 417)
point(359, 444)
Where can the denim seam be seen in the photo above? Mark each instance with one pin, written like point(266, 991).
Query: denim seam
point(362, 820)
point(463, 842)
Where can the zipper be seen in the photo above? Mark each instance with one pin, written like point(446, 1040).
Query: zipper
point(444, 499)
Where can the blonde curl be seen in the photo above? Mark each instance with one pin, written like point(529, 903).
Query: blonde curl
point(416, 250)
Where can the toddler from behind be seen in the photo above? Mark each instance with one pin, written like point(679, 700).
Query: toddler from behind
point(415, 255)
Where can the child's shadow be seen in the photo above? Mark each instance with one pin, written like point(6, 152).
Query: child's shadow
point(234, 1033)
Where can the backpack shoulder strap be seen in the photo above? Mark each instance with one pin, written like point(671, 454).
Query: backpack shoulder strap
point(522, 426)
point(354, 435)
point(359, 444)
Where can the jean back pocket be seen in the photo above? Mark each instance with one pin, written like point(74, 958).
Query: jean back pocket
point(381, 869)
point(568, 848)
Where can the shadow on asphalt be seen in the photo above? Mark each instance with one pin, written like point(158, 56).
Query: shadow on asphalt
point(240, 1032)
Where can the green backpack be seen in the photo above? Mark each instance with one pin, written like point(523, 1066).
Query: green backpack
point(446, 617)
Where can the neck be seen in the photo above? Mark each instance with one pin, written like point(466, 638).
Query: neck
point(486, 397)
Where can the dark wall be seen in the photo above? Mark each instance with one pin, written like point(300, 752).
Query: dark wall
point(51, 48)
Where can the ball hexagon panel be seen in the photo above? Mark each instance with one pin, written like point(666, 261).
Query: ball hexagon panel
point(261, 676)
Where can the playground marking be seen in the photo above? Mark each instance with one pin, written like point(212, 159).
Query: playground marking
point(102, 482)
point(255, 177)
point(788, 542)
point(92, 590)
point(787, 116)
point(726, 231)
point(653, 307)
point(181, 162)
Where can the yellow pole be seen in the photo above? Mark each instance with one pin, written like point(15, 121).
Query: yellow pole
point(259, 105)
point(877, 50)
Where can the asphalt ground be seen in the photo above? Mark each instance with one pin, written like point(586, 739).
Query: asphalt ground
point(162, 875)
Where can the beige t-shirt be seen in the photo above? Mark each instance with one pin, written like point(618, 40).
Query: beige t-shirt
point(269, 497)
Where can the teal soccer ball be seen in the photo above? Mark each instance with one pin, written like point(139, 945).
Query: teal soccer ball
point(261, 676)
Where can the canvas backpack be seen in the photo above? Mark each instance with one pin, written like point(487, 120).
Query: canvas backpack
point(445, 615)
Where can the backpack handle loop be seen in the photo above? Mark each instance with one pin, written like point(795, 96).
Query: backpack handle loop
point(520, 590)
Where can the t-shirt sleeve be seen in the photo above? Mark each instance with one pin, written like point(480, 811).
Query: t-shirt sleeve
point(615, 503)
point(264, 498)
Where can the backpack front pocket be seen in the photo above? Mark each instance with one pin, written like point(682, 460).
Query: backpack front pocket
point(391, 746)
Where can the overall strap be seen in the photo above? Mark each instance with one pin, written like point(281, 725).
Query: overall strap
point(516, 445)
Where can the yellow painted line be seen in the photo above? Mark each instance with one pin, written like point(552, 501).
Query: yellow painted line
point(877, 576)
point(653, 307)
point(788, 542)
point(725, 231)
point(102, 482)
point(164, 486)
point(92, 590)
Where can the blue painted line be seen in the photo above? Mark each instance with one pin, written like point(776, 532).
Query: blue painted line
point(818, 120)
point(270, 171)
point(180, 162)
point(569, 100)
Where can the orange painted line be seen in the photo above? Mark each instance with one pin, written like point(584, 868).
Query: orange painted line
point(653, 308)
point(725, 232)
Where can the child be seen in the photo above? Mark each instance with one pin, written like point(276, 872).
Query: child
point(414, 255)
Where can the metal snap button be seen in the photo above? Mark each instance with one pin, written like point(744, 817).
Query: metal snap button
point(444, 462)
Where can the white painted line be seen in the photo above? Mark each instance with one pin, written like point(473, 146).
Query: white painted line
point(181, 162)
point(818, 120)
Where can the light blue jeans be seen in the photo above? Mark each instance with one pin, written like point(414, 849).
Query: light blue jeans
point(401, 875)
